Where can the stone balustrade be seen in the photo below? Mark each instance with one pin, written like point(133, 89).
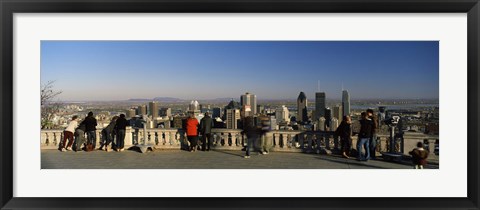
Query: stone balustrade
point(322, 142)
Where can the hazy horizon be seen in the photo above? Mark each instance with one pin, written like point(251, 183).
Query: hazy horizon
point(272, 70)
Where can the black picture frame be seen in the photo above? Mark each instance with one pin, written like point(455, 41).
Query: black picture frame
point(10, 7)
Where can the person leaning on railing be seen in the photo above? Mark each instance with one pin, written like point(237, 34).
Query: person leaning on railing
point(120, 127)
point(68, 134)
point(344, 131)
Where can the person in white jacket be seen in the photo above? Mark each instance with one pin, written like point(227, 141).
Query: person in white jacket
point(68, 134)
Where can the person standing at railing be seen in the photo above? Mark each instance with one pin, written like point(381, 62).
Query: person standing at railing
point(120, 127)
point(344, 131)
point(252, 132)
point(366, 131)
point(79, 137)
point(107, 134)
point(206, 125)
point(91, 130)
point(373, 140)
point(265, 128)
point(68, 134)
point(192, 132)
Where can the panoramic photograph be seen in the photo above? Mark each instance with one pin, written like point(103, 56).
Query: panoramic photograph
point(239, 105)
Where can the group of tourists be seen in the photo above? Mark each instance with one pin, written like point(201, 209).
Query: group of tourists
point(113, 133)
point(367, 139)
point(366, 136)
point(194, 129)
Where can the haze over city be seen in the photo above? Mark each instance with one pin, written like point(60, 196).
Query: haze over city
point(122, 70)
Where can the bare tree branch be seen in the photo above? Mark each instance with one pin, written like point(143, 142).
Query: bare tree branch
point(48, 109)
point(47, 93)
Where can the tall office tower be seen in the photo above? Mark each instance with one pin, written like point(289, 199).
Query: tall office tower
point(232, 105)
point(246, 111)
point(131, 113)
point(328, 116)
point(321, 124)
point(142, 110)
point(233, 115)
point(153, 109)
point(165, 112)
point(337, 113)
point(282, 114)
point(260, 109)
point(302, 108)
point(216, 112)
point(334, 124)
point(319, 105)
point(250, 100)
point(345, 103)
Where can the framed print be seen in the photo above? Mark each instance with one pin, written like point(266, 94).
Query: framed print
point(240, 105)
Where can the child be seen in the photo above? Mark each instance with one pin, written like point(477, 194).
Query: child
point(419, 156)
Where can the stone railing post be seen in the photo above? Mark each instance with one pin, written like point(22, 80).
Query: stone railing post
point(309, 140)
point(336, 142)
point(276, 141)
point(128, 136)
point(431, 147)
point(98, 138)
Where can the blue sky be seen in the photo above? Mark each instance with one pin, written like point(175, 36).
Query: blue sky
point(117, 70)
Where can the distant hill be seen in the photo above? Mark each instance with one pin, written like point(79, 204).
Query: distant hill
point(162, 99)
point(167, 99)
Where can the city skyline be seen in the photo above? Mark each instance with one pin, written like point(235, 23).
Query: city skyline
point(273, 70)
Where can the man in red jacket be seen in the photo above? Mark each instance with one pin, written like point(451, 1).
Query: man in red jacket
point(192, 132)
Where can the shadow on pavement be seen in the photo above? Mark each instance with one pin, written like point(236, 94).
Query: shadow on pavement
point(351, 162)
point(228, 153)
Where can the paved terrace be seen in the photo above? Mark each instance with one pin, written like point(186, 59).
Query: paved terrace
point(180, 159)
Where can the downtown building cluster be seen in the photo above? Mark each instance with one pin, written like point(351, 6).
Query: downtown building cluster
point(230, 116)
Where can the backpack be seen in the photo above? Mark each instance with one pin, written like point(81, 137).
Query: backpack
point(89, 148)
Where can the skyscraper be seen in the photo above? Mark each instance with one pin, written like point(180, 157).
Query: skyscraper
point(302, 107)
point(217, 112)
point(232, 105)
point(233, 115)
point(319, 105)
point(282, 114)
point(327, 116)
point(131, 113)
point(337, 113)
point(153, 109)
point(345, 103)
point(249, 100)
point(142, 110)
point(165, 112)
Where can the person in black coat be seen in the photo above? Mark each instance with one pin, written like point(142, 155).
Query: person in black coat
point(206, 125)
point(366, 133)
point(252, 131)
point(91, 129)
point(344, 131)
point(108, 134)
point(120, 127)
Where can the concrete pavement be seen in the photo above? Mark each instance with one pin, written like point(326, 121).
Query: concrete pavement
point(179, 159)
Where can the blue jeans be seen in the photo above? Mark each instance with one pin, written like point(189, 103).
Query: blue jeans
point(250, 142)
point(120, 139)
point(363, 142)
point(373, 145)
point(92, 138)
point(107, 137)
